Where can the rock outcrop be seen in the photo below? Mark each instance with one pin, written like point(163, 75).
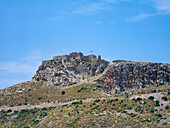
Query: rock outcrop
point(124, 75)
point(114, 77)
point(70, 69)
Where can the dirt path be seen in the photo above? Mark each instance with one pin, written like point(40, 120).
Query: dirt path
point(41, 105)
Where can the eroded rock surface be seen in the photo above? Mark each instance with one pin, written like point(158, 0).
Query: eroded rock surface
point(124, 75)
point(70, 69)
point(114, 77)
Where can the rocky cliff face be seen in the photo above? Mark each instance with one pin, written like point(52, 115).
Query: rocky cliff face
point(122, 75)
point(70, 69)
point(114, 77)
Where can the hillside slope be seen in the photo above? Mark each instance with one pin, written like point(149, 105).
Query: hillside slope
point(85, 91)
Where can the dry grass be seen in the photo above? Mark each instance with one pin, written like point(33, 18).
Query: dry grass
point(38, 92)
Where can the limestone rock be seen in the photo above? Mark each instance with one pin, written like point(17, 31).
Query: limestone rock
point(124, 75)
point(70, 69)
point(119, 76)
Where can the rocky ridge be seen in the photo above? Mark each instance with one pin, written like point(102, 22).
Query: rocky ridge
point(124, 75)
point(113, 77)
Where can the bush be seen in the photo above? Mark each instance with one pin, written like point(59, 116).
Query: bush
point(15, 112)
point(95, 107)
point(93, 103)
point(44, 108)
point(159, 115)
point(63, 93)
point(151, 98)
point(167, 107)
point(110, 101)
point(116, 99)
point(129, 107)
point(39, 98)
point(64, 105)
point(82, 88)
point(24, 111)
point(113, 104)
point(97, 100)
point(157, 103)
point(36, 121)
point(9, 110)
point(43, 114)
point(165, 98)
point(77, 102)
point(139, 99)
point(152, 111)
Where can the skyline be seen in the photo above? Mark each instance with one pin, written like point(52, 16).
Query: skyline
point(36, 30)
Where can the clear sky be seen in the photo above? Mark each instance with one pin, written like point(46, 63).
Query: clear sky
point(36, 30)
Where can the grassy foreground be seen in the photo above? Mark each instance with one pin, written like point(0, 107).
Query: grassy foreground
point(30, 93)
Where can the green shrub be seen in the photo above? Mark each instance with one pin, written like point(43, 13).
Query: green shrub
point(93, 103)
point(116, 99)
point(97, 100)
point(129, 107)
point(63, 93)
point(157, 103)
point(24, 111)
point(77, 106)
point(15, 112)
point(44, 114)
point(82, 88)
point(138, 99)
point(165, 98)
point(9, 110)
point(110, 101)
point(77, 102)
point(113, 104)
point(151, 98)
point(167, 107)
point(159, 115)
point(44, 108)
point(152, 111)
point(39, 98)
point(36, 121)
point(64, 105)
point(95, 107)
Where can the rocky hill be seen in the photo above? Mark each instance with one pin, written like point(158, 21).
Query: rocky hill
point(113, 77)
point(70, 69)
point(73, 91)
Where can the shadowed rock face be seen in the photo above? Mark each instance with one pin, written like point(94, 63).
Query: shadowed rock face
point(70, 69)
point(121, 76)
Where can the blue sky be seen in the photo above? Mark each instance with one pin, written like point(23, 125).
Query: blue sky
point(36, 30)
